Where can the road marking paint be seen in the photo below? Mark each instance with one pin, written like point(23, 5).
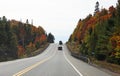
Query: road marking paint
point(33, 66)
point(72, 65)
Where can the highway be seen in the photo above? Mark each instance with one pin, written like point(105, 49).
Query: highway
point(52, 62)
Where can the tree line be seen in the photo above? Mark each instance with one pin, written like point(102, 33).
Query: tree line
point(98, 35)
point(18, 39)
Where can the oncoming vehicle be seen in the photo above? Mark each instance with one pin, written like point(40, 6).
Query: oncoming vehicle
point(60, 43)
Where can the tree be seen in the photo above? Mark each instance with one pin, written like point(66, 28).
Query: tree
point(112, 11)
point(3, 38)
point(96, 7)
point(27, 22)
point(50, 38)
point(91, 42)
point(11, 41)
point(118, 10)
point(8, 40)
point(18, 39)
point(118, 18)
point(21, 51)
point(103, 12)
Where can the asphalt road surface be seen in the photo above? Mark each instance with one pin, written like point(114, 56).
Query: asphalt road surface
point(52, 62)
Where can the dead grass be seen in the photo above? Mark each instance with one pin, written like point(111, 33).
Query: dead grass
point(40, 50)
point(112, 67)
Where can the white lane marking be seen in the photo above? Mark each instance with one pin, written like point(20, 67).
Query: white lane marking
point(33, 66)
point(72, 65)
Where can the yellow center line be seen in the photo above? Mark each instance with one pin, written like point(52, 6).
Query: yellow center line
point(33, 66)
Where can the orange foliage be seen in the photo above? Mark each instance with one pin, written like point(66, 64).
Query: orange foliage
point(21, 50)
point(31, 45)
point(78, 36)
point(37, 39)
point(34, 29)
point(105, 17)
point(40, 39)
point(115, 40)
point(91, 22)
point(43, 38)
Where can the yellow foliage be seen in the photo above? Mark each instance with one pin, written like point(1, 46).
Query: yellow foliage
point(116, 39)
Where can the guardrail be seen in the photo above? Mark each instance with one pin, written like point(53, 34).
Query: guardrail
point(78, 56)
point(81, 57)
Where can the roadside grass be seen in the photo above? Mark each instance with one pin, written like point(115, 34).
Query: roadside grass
point(73, 48)
point(112, 67)
point(38, 51)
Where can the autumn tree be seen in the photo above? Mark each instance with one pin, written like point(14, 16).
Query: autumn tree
point(19, 39)
point(99, 35)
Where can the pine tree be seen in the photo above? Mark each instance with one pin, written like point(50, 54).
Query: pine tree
point(11, 41)
point(118, 18)
point(96, 7)
point(118, 10)
point(27, 22)
point(8, 42)
point(50, 38)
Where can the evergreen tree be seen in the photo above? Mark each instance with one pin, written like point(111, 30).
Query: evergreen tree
point(91, 43)
point(11, 41)
point(118, 18)
point(27, 22)
point(103, 31)
point(96, 7)
point(50, 38)
point(118, 10)
point(8, 42)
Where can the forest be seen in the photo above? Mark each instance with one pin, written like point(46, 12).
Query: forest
point(98, 35)
point(18, 39)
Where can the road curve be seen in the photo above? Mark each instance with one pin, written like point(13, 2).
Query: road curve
point(52, 62)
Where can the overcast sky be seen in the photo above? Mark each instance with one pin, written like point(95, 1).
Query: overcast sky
point(59, 17)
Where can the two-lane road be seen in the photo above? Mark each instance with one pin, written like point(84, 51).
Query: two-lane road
point(52, 62)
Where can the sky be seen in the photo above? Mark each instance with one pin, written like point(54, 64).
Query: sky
point(60, 17)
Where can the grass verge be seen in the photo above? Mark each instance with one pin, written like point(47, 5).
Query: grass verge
point(40, 50)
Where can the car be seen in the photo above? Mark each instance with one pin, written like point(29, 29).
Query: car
point(59, 47)
point(60, 43)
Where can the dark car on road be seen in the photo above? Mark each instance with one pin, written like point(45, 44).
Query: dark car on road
point(60, 48)
point(60, 43)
